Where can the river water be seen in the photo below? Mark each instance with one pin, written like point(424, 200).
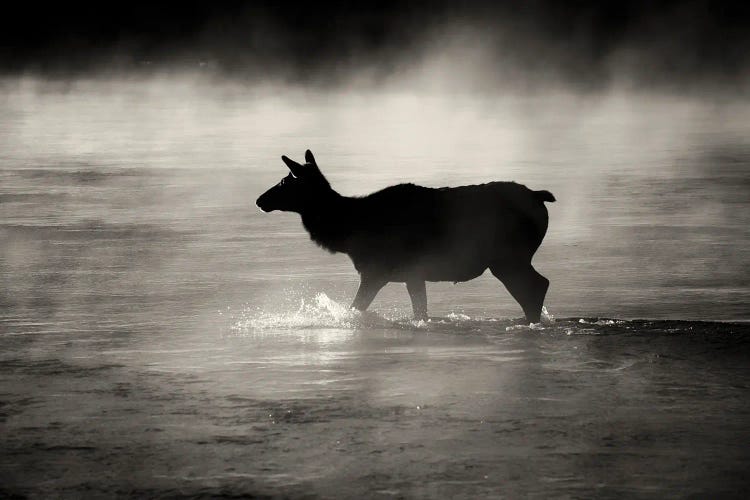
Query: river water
point(159, 336)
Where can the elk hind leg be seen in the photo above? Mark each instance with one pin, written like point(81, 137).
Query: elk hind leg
point(526, 285)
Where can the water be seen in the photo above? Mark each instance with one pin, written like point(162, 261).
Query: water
point(160, 336)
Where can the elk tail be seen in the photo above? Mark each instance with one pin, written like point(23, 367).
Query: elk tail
point(544, 196)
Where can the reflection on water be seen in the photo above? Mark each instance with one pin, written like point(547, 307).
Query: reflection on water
point(160, 336)
point(460, 407)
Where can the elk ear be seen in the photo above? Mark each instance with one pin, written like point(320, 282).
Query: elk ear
point(294, 167)
point(309, 158)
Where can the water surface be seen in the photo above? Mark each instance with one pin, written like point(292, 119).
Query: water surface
point(160, 336)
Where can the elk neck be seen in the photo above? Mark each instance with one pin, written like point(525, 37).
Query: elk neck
point(329, 221)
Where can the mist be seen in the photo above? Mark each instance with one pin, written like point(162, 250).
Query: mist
point(619, 161)
point(161, 336)
point(474, 47)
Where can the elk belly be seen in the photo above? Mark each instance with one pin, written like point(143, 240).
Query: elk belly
point(448, 267)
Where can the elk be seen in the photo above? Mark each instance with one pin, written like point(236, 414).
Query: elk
point(412, 234)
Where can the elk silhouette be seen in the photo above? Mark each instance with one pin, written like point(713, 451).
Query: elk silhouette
point(412, 234)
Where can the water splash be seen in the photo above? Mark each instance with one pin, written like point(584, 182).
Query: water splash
point(320, 312)
point(546, 320)
point(547, 317)
point(458, 317)
point(602, 322)
point(523, 326)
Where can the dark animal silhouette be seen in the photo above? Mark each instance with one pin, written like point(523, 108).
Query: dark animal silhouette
point(412, 234)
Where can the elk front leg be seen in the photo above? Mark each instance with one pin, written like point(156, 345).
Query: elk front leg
point(418, 294)
point(368, 289)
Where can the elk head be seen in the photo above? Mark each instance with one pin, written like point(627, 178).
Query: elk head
point(299, 190)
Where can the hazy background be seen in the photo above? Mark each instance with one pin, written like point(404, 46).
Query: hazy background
point(159, 336)
point(538, 44)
